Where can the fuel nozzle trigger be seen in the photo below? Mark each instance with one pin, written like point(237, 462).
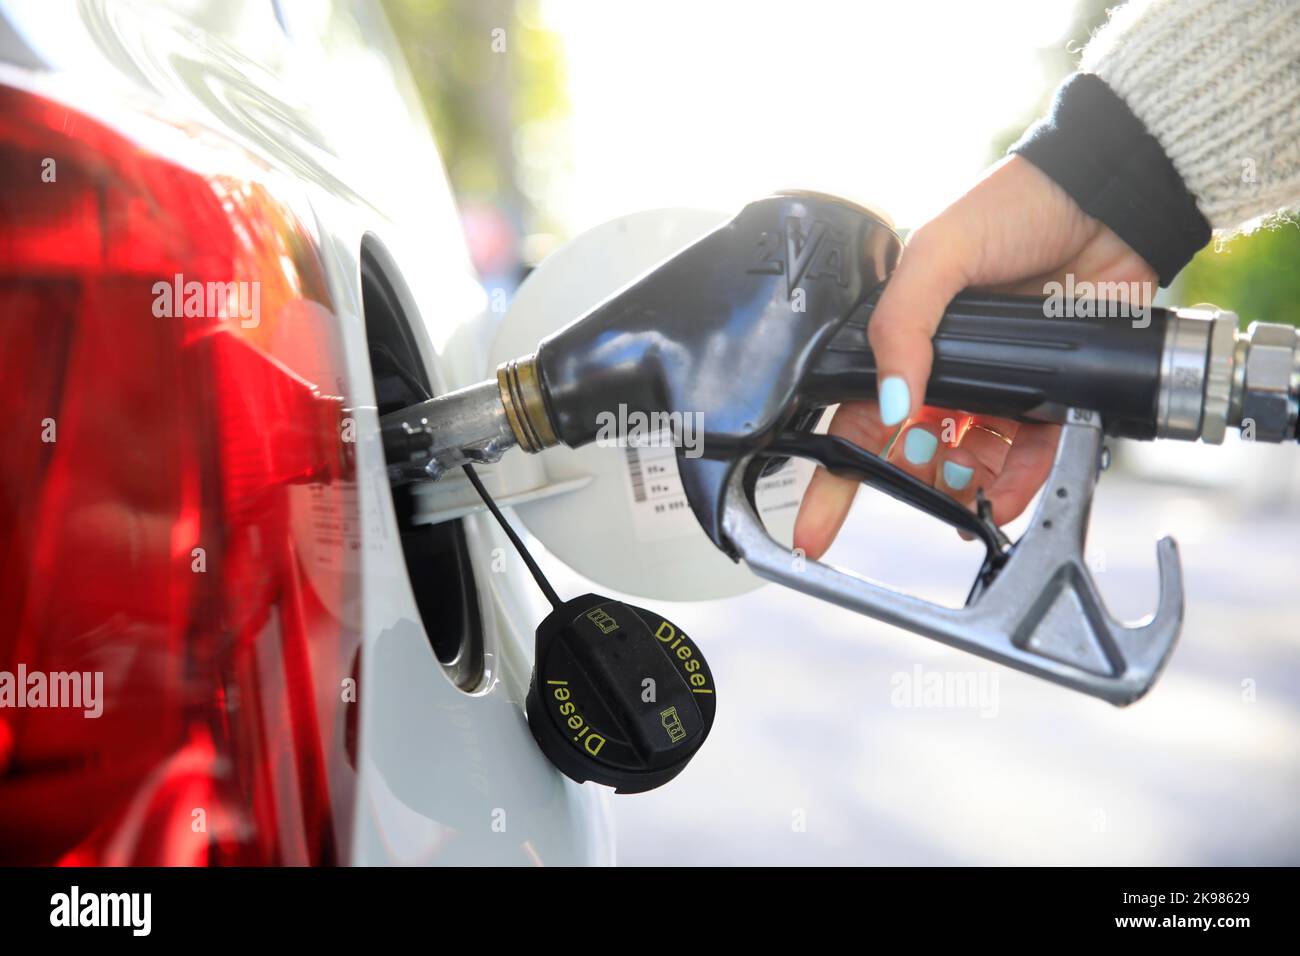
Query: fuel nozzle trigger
point(841, 457)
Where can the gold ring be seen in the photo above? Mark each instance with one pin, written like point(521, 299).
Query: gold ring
point(992, 431)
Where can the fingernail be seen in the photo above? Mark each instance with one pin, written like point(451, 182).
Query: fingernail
point(919, 446)
point(895, 400)
point(956, 476)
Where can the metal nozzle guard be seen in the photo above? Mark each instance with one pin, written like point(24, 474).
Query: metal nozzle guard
point(1041, 613)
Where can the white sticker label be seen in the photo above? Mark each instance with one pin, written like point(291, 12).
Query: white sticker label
point(659, 507)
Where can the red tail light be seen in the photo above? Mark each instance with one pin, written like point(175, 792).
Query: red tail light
point(177, 510)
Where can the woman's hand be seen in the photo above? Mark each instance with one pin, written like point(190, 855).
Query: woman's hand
point(1014, 231)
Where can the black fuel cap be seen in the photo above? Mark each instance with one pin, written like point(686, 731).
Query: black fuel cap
point(619, 695)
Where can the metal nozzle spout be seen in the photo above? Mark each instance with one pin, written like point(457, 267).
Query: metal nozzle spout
point(467, 426)
point(474, 425)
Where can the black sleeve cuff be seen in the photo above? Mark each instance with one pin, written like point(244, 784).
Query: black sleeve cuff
point(1101, 154)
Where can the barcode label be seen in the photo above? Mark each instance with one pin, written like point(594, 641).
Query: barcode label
point(660, 510)
point(635, 474)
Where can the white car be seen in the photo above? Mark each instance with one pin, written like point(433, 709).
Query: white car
point(227, 246)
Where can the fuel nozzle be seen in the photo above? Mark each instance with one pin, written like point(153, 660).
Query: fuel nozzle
point(757, 326)
point(762, 322)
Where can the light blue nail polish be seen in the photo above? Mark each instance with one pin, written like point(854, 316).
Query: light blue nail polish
point(919, 446)
point(895, 400)
point(956, 476)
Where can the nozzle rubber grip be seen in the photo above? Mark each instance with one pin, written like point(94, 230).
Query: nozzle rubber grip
point(1005, 355)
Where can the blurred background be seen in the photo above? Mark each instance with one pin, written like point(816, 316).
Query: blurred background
point(553, 117)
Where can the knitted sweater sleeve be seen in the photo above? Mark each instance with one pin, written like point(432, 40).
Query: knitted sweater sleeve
point(1218, 84)
point(1185, 115)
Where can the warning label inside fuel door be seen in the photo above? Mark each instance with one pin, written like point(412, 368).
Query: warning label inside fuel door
point(660, 510)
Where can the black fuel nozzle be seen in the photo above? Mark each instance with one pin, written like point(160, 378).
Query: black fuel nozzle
point(763, 321)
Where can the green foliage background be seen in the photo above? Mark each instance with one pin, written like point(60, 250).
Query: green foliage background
point(1256, 275)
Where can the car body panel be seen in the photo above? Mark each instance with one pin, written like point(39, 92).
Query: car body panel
point(316, 95)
